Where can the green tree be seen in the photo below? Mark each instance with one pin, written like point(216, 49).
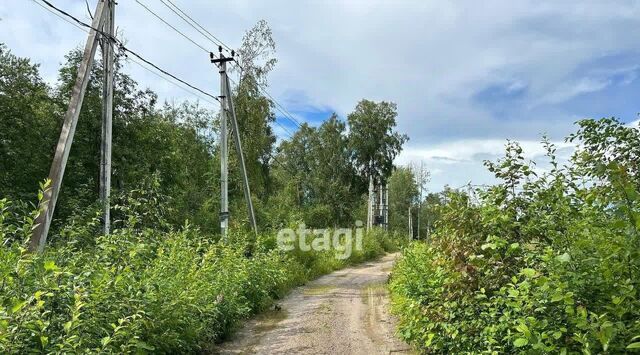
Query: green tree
point(373, 139)
point(318, 174)
point(28, 119)
point(403, 194)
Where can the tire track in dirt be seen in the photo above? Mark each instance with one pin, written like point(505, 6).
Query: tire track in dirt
point(345, 312)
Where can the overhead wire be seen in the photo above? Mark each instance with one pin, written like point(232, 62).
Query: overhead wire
point(278, 106)
point(60, 16)
point(278, 123)
point(130, 51)
point(194, 24)
point(170, 25)
point(215, 40)
point(169, 81)
point(78, 23)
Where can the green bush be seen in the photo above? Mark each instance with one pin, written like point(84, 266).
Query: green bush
point(141, 289)
point(542, 264)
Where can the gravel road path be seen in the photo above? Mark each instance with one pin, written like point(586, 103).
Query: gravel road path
point(345, 312)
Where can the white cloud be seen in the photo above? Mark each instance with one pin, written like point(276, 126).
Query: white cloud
point(571, 90)
point(455, 163)
point(430, 57)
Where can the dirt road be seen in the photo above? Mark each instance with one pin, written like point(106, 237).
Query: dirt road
point(345, 312)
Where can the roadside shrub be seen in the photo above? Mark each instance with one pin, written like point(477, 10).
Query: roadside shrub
point(141, 289)
point(542, 264)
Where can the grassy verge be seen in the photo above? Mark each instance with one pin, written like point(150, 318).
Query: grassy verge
point(144, 289)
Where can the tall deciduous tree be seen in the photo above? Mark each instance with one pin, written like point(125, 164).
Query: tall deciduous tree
point(28, 118)
point(318, 171)
point(254, 111)
point(373, 139)
point(403, 193)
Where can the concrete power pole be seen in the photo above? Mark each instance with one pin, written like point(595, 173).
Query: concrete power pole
point(370, 204)
point(410, 224)
point(420, 183)
point(107, 115)
point(228, 106)
point(380, 204)
point(386, 206)
point(224, 154)
point(56, 173)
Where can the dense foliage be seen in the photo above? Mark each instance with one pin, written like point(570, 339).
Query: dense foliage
point(162, 281)
point(143, 288)
point(546, 262)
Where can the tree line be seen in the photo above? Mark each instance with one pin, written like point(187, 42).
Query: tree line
point(319, 176)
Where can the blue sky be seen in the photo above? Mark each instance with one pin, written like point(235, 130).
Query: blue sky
point(466, 75)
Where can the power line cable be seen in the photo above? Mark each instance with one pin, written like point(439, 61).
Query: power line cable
point(277, 108)
point(60, 16)
point(219, 42)
point(146, 61)
point(284, 128)
point(124, 48)
point(199, 25)
point(276, 122)
point(194, 24)
point(172, 27)
point(169, 81)
point(277, 104)
point(283, 166)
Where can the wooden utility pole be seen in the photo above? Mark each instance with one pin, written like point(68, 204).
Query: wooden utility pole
point(107, 115)
point(226, 93)
point(56, 173)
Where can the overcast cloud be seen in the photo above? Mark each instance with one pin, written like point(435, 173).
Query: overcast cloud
point(466, 75)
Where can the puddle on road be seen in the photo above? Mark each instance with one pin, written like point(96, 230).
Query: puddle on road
point(269, 320)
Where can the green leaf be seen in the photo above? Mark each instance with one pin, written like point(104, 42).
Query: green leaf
point(104, 341)
point(564, 258)
point(528, 272)
point(50, 265)
point(633, 346)
point(18, 306)
point(488, 246)
point(142, 345)
point(520, 342)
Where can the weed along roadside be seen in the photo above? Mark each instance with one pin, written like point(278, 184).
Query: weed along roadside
point(177, 291)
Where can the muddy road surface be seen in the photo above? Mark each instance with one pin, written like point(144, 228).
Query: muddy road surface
point(345, 312)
